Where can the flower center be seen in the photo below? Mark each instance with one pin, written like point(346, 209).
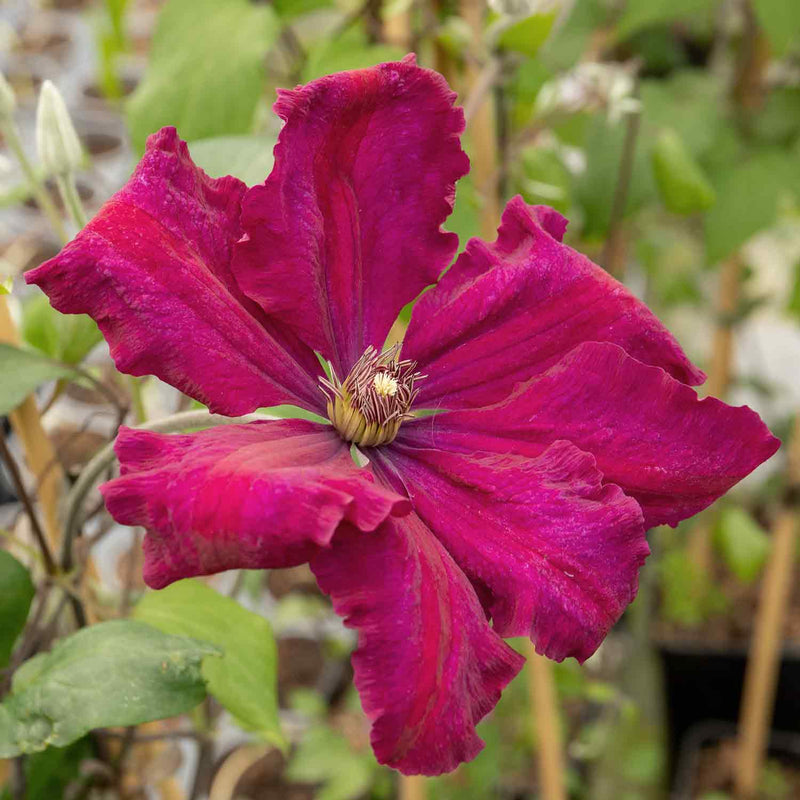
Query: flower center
point(368, 407)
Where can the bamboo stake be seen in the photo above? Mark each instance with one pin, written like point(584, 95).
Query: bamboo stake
point(719, 372)
point(482, 130)
point(719, 379)
point(412, 787)
point(763, 664)
point(544, 704)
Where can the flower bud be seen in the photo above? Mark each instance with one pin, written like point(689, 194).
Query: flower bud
point(56, 140)
point(8, 100)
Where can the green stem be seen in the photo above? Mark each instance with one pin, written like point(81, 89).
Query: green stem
point(71, 198)
point(11, 134)
point(137, 398)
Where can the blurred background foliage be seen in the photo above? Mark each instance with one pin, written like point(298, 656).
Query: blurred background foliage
point(667, 131)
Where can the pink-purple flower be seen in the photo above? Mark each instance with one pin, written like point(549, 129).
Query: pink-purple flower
point(565, 421)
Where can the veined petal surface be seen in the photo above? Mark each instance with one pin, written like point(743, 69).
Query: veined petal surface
point(428, 666)
point(650, 434)
point(153, 270)
point(510, 309)
point(255, 496)
point(553, 553)
point(348, 227)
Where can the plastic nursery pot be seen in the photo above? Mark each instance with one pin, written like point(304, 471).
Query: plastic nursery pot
point(704, 765)
point(705, 683)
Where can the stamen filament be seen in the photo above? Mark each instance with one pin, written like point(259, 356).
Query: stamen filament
point(369, 406)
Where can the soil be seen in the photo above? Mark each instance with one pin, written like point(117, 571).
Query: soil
point(715, 767)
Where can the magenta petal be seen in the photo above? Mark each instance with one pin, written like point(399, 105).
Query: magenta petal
point(255, 496)
point(511, 309)
point(153, 269)
point(651, 435)
point(555, 554)
point(348, 227)
point(428, 667)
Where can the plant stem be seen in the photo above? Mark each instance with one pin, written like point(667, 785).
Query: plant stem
point(24, 497)
point(137, 399)
point(544, 706)
point(763, 664)
point(72, 201)
point(11, 135)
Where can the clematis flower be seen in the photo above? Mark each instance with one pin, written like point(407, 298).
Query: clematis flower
point(565, 421)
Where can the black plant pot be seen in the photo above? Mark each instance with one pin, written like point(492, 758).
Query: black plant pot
point(705, 683)
point(784, 747)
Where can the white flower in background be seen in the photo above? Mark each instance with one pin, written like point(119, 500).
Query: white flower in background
point(589, 87)
point(56, 140)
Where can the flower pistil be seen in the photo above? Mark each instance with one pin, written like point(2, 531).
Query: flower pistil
point(368, 407)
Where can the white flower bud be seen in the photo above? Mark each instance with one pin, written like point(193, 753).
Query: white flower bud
point(56, 140)
point(8, 100)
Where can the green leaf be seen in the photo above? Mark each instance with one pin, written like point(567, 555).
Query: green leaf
point(749, 194)
point(683, 185)
point(205, 74)
point(16, 595)
point(244, 679)
point(594, 188)
point(570, 40)
point(778, 122)
point(350, 50)
point(50, 772)
point(527, 35)
point(115, 673)
point(23, 371)
point(688, 596)
point(65, 337)
point(290, 9)
point(455, 36)
point(465, 219)
point(248, 158)
point(780, 20)
point(325, 757)
point(543, 178)
point(742, 542)
point(794, 298)
point(640, 14)
point(691, 102)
